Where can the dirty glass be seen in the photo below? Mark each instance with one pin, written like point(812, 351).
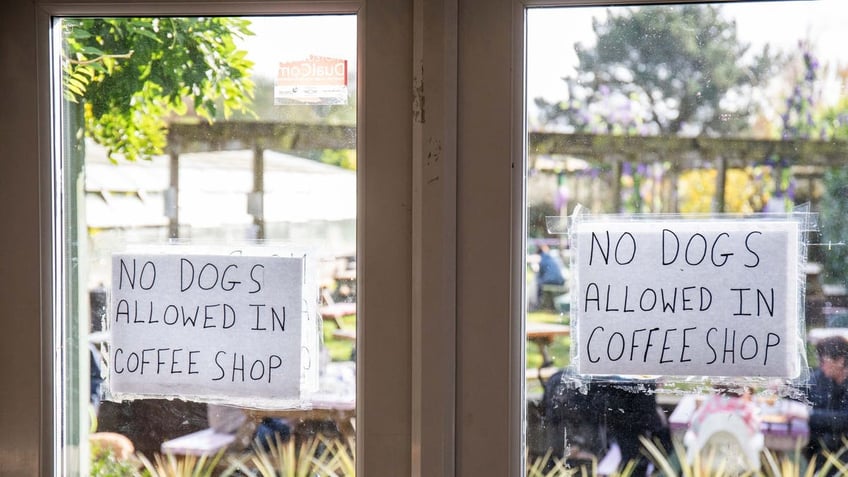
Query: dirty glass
point(700, 110)
point(212, 133)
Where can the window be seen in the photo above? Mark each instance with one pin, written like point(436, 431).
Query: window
point(722, 114)
point(207, 140)
point(37, 361)
point(441, 231)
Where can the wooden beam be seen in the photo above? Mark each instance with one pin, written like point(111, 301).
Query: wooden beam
point(687, 152)
point(258, 198)
point(618, 170)
point(229, 136)
point(721, 184)
point(172, 200)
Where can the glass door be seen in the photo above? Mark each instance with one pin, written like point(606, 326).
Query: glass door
point(208, 242)
point(673, 114)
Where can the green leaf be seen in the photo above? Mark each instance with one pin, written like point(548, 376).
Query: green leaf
point(91, 50)
point(76, 84)
point(172, 59)
point(149, 34)
point(79, 34)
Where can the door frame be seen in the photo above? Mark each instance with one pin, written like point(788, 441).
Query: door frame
point(30, 442)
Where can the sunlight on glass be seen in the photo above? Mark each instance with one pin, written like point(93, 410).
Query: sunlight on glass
point(206, 150)
point(732, 110)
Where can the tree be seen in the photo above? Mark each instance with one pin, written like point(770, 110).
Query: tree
point(662, 70)
point(131, 74)
point(807, 116)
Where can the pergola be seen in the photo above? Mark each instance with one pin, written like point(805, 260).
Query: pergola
point(255, 136)
point(808, 158)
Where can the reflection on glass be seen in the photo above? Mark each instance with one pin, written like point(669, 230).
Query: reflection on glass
point(686, 109)
point(205, 132)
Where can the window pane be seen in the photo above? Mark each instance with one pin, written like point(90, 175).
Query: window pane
point(683, 109)
point(230, 139)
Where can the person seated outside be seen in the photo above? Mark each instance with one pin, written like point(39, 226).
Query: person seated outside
point(827, 394)
point(95, 378)
point(549, 273)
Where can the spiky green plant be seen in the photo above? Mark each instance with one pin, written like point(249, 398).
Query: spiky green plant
point(342, 461)
point(678, 464)
point(286, 459)
point(170, 465)
point(537, 467)
point(709, 465)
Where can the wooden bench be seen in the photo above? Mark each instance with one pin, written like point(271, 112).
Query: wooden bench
point(336, 311)
point(200, 443)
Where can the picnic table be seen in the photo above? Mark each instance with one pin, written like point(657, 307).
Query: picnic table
point(335, 311)
point(347, 334)
point(543, 334)
point(334, 401)
point(337, 408)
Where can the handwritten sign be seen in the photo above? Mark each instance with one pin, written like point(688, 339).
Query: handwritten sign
point(687, 298)
point(207, 326)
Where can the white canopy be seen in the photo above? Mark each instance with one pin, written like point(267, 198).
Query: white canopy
point(213, 190)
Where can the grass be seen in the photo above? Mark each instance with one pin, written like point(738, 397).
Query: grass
point(559, 350)
point(340, 350)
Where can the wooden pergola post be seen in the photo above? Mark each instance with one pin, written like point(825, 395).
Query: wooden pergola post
point(671, 198)
point(257, 199)
point(617, 171)
point(721, 184)
point(172, 198)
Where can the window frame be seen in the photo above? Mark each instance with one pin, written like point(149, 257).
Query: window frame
point(382, 230)
point(490, 231)
point(490, 290)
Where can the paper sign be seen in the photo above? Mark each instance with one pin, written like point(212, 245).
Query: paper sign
point(687, 298)
point(313, 80)
point(206, 326)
